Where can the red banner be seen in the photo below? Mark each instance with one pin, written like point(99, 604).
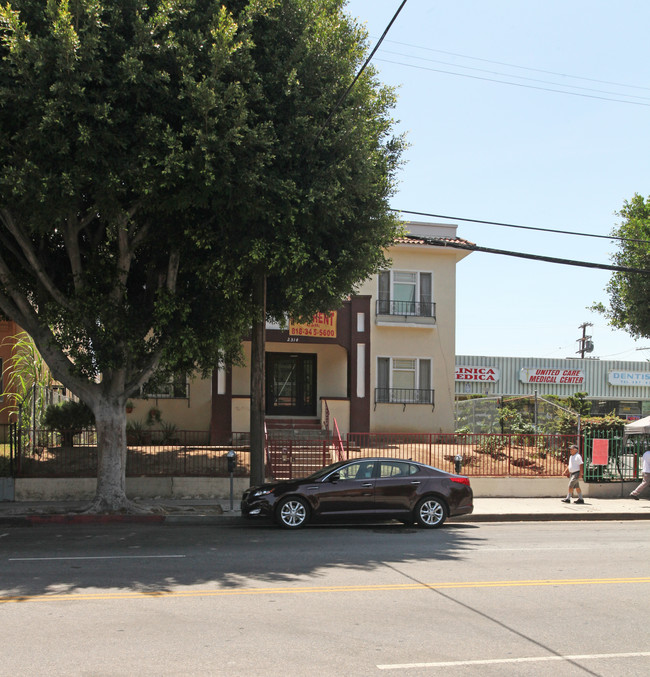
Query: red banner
point(600, 453)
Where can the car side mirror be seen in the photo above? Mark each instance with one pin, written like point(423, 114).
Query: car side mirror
point(334, 477)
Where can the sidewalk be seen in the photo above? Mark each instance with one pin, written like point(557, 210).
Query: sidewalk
point(205, 512)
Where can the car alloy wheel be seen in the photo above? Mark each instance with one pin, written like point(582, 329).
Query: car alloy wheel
point(430, 513)
point(292, 513)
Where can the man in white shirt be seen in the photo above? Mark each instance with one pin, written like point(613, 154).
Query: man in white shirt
point(574, 472)
point(645, 469)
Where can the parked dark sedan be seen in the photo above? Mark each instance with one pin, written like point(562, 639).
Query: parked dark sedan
point(367, 488)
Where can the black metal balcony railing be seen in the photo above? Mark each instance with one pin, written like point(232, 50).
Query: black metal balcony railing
point(406, 308)
point(403, 396)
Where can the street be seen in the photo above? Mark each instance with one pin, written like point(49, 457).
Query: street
point(540, 598)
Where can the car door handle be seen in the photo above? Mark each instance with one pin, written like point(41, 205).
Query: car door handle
point(367, 484)
point(415, 482)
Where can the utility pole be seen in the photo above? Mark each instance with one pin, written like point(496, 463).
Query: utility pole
point(585, 344)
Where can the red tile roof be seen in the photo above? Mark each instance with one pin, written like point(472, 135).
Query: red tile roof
point(432, 241)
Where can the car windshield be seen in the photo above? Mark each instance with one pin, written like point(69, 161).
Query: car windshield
point(319, 474)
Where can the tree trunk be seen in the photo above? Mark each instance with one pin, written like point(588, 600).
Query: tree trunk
point(110, 421)
point(258, 405)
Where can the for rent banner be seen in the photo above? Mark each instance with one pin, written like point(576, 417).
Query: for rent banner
point(323, 325)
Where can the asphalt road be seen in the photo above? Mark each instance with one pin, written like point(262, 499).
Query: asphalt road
point(469, 599)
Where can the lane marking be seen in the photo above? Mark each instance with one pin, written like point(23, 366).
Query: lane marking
point(55, 597)
point(58, 559)
point(498, 661)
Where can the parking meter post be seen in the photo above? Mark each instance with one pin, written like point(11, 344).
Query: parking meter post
point(458, 463)
point(232, 463)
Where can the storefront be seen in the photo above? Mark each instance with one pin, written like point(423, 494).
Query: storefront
point(611, 386)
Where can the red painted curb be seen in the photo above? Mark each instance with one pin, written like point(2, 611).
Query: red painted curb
point(93, 519)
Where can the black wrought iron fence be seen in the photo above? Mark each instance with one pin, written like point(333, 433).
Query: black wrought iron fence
point(405, 308)
point(404, 396)
point(185, 453)
point(190, 453)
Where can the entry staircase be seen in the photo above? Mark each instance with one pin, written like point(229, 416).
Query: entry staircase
point(297, 447)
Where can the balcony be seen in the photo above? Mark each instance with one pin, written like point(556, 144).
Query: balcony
point(390, 311)
point(404, 396)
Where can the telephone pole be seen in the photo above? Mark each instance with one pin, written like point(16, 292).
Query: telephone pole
point(585, 344)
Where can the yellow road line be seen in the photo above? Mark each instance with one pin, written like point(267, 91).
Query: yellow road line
point(297, 590)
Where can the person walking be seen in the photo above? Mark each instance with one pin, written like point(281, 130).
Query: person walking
point(574, 473)
point(645, 469)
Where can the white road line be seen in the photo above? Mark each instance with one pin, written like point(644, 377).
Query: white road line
point(52, 559)
point(498, 661)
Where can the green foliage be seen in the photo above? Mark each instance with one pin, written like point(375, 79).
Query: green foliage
point(68, 415)
point(579, 403)
point(629, 292)
point(137, 433)
point(156, 159)
point(69, 419)
point(492, 445)
point(26, 378)
point(5, 466)
point(154, 415)
point(516, 421)
point(168, 431)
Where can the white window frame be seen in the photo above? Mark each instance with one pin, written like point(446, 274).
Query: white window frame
point(394, 307)
point(418, 367)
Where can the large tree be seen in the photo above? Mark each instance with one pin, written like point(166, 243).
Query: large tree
point(123, 125)
point(320, 222)
point(162, 161)
point(629, 292)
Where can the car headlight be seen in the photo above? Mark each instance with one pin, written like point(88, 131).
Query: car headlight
point(262, 492)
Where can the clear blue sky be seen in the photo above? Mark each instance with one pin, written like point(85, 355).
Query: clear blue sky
point(482, 149)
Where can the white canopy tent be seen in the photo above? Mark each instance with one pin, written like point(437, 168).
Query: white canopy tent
point(640, 427)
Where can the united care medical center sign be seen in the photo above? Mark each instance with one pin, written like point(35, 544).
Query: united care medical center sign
point(544, 375)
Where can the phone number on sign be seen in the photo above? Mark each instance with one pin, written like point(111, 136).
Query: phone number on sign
point(313, 331)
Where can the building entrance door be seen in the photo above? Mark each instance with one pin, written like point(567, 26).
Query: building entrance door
point(291, 384)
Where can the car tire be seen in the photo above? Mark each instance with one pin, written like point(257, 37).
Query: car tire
point(430, 513)
point(292, 513)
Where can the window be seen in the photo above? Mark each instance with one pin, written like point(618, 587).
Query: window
point(397, 469)
point(406, 380)
point(171, 387)
point(406, 293)
point(363, 470)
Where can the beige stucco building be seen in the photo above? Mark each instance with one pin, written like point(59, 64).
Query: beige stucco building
point(383, 362)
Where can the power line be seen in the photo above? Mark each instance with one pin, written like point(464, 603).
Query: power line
point(511, 65)
point(516, 84)
point(358, 75)
point(512, 225)
point(440, 242)
point(520, 77)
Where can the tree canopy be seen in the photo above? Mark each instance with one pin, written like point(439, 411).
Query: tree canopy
point(156, 158)
point(629, 292)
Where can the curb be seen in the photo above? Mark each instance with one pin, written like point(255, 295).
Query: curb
point(233, 519)
point(555, 517)
point(170, 520)
point(37, 520)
